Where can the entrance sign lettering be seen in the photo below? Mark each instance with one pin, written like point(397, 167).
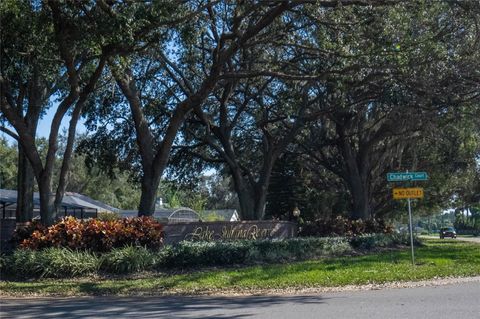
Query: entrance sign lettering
point(213, 231)
point(229, 233)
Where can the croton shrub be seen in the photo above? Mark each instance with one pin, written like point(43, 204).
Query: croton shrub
point(93, 234)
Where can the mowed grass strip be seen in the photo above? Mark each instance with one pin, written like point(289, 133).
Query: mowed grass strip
point(438, 258)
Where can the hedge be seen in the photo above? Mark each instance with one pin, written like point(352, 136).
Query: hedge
point(341, 226)
point(65, 262)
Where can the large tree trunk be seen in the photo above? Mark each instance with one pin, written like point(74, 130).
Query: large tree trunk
point(252, 203)
point(25, 183)
point(260, 202)
point(149, 194)
point(246, 202)
point(47, 207)
point(251, 198)
point(36, 93)
point(154, 159)
point(261, 187)
point(360, 198)
point(357, 168)
point(67, 156)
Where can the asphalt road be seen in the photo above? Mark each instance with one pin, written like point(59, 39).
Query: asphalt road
point(449, 301)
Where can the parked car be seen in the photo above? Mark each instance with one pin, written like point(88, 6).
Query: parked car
point(448, 232)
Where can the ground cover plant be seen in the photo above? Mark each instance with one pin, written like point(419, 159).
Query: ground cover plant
point(435, 259)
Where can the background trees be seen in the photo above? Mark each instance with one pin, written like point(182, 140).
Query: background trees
point(377, 115)
point(174, 77)
point(286, 103)
point(60, 61)
point(28, 64)
point(244, 131)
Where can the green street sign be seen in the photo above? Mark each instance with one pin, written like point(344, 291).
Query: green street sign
point(412, 176)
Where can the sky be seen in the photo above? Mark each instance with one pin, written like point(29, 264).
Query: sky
point(43, 129)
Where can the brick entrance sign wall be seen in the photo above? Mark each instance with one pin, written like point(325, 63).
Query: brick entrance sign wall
point(198, 231)
point(210, 231)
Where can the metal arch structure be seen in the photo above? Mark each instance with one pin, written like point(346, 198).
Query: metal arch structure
point(183, 214)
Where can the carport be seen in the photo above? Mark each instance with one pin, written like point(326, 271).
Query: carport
point(73, 204)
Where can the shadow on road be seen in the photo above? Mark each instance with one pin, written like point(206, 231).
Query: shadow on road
point(148, 307)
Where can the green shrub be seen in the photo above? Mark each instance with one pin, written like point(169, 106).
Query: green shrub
point(268, 251)
point(210, 217)
point(65, 262)
point(127, 260)
point(191, 254)
point(340, 226)
point(371, 241)
point(367, 242)
point(108, 216)
point(296, 249)
point(404, 239)
point(203, 254)
point(51, 262)
point(335, 246)
point(23, 263)
point(194, 254)
point(227, 253)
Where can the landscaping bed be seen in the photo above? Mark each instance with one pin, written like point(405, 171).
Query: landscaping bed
point(435, 259)
point(67, 263)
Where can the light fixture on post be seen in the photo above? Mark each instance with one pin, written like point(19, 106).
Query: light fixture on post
point(296, 212)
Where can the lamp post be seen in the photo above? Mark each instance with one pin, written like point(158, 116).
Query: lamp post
point(296, 213)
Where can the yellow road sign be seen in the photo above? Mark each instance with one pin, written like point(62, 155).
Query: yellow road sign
point(404, 193)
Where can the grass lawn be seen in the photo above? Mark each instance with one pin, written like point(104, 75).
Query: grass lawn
point(437, 258)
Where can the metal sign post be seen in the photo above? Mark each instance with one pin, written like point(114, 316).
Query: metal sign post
point(408, 193)
point(411, 230)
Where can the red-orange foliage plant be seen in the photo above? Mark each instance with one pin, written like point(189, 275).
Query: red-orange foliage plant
point(97, 235)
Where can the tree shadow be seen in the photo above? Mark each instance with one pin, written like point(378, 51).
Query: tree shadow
point(148, 307)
